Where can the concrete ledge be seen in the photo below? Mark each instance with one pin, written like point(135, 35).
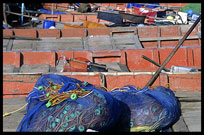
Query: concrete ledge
point(36, 68)
point(8, 68)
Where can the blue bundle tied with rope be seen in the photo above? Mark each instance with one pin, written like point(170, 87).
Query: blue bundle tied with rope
point(148, 109)
point(63, 104)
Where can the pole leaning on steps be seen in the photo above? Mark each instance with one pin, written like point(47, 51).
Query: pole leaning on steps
point(154, 77)
point(31, 17)
point(4, 14)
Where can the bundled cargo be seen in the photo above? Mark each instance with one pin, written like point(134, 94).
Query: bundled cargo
point(63, 104)
point(146, 110)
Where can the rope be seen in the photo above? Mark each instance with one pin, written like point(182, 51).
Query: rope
point(9, 113)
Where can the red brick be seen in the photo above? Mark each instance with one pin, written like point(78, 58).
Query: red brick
point(67, 18)
point(185, 28)
point(191, 42)
point(52, 17)
point(121, 4)
point(62, 5)
point(169, 31)
point(147, 32)
point(73, 32)
point(92, 79)
point(92, 18)
point(67, 54)
point(137, 63)
point(25, 32)
point(48, 33)
point(123, 57)
point(107, 59)
point(8, 32)
point(112, 4)
point(152, 44)
point(39, 58)
point(169, 43)
point(185, 82)
point(98, 31)
point(139, 81)
point(12, 58)
point(179, 58)
point(190, 57)
point(197, 56)
point(75, 54)
point(84, 54)
point(48, 6)
point(106, 53)
point(105, 4)
point(105, 56)
point(17, 87)
point(163, 79)
point(79, 18)
point(194, 57)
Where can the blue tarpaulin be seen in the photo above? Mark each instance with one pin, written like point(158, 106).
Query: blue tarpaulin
point(141, 5)
point(50, 12)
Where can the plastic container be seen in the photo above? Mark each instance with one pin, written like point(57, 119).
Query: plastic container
point(47, 24)
point(182, 69)
point(190, 12)
point(195, 16)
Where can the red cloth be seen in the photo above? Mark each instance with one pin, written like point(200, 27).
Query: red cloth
point(151, 13)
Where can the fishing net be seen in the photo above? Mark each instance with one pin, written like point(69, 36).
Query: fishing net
point(146, 109)
point(63, 104)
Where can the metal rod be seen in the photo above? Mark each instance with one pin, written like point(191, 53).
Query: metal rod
point(155, 63)
point(154, 77)
point(100, 66)
point(52, 8)
point(22, 13)
point(31, 16)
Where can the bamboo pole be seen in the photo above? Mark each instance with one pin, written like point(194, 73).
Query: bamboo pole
point(154, 77)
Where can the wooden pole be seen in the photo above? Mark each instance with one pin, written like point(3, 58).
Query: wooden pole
point(4, 14)
point(52, 8)
point(154, 77)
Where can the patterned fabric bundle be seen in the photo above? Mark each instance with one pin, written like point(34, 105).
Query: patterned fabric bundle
point(146, 110)
point(62, 104)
